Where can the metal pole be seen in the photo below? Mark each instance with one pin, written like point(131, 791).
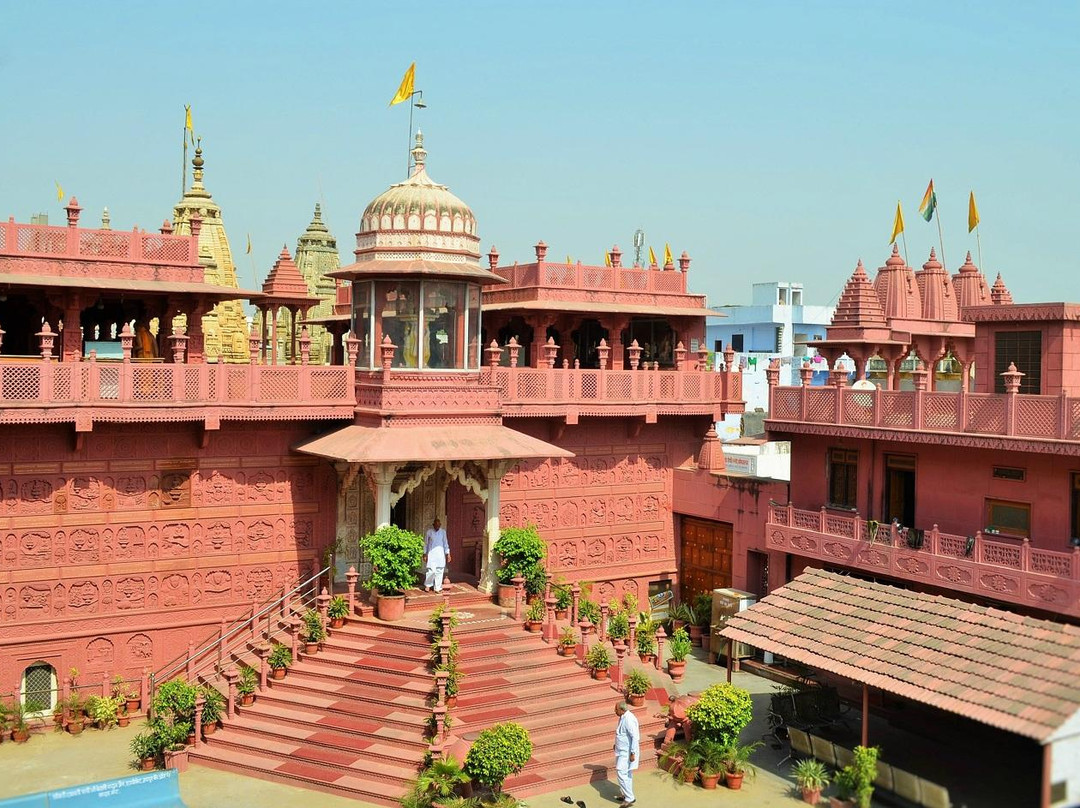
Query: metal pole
point(183, 167)
point(1044, 796)
point(730, 649)
point(408, 140)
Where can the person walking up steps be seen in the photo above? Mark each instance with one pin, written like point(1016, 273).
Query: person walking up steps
point(436, 556)
point(627, 751)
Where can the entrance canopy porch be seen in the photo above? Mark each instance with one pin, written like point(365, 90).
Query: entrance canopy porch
point(1005, 670)
point(397, 460)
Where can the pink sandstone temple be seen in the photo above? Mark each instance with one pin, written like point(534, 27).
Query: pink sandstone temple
point(155, 492)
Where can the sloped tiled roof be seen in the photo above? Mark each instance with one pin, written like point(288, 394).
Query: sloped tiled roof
point(1012, 672)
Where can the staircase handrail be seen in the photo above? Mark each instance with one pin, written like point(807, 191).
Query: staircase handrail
point(239, 625)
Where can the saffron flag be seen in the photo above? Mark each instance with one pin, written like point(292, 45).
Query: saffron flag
point(652, 257)
point(973, 213)
point(929, 202)
point(898, 223)
point(187, 122)
point(248, 251)
point(568, 261)
point(405, 91)
point(59, 193)
point(667, 255)
point(607, 259)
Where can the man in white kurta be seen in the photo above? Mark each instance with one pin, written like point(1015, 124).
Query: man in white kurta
point(436, 556)
point(627, 751)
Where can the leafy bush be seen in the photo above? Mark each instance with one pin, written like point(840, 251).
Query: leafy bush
point(314, 630)
point(536, 579)
point(599, 658)
point(637, 683)
point(498, 752)
point(646, 639)
point(679, 645)
point(338, 608)
point(520, 549)
point(174, 702)
point(435, 621)
point(145, 745)
point(248, 681)
point(721, 713)
point(618, 626)
point(536, 612)
point(213, 704)
point(737, 758)
point(280, 656)
point(104, 710)
point(703, 608)
point(589, 610)
point(859, 775)
point(395, 556)
point(710, 755)
point(440, 780)
point(567, 639)
point(810, 774)
point(564, 598)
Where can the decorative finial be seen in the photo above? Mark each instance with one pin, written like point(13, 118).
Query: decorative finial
point(318, 212)
point(106, 222)
point(418, 153)
point(933, 254)
point(197, 162)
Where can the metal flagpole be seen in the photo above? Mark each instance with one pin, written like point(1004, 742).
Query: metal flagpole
point(978, 246)
point(408, 140)
point(183, 166)
point(903, 236)
point(941, 240)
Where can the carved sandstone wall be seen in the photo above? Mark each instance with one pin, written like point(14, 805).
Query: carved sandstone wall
point(115, 555)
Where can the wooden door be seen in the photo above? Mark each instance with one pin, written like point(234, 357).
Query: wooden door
point(706, 556)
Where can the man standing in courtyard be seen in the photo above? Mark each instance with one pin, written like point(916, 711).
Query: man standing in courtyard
point(627, 751)
point(436, 556)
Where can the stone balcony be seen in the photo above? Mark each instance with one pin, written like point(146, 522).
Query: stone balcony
point(130, 391)
point(1011, 571)
point(177, 254)
point(976, 419)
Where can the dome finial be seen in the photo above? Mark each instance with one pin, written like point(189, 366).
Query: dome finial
point(197, 163)
point(418, 153)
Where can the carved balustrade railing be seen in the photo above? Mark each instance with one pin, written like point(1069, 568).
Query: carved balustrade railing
point(114, 246)
point(1007, 570)
point(1002, 414)
point(593, 278)
point(47, 383)
point(524, 386)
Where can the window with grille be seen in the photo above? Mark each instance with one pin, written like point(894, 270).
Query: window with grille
point(39, 687)
point(1013, 518)
point(1074, 500)
point(1024, 348)
point(843, 472)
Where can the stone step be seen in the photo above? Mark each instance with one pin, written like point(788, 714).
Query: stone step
point(378, 761)
point(313, 719)
point(529, 783)
point(556, 709)
point(302, 773)
point(389, 715)
point(360, 691)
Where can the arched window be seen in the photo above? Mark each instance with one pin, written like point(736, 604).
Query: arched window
point(39, 687)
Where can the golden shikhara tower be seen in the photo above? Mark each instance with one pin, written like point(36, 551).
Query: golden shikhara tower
point(225, 327)
point(317, 255)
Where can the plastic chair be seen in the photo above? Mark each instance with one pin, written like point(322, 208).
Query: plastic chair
point(823, 750)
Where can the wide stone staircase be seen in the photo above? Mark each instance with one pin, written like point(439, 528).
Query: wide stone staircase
point(354, 719)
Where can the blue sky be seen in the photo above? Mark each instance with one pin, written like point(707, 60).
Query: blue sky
point(769, 140)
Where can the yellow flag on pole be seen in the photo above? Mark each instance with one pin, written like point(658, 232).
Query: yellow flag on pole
point(607, 259)
point(667, 255)
point(187, 121)
point(59, 193)
point(973, 213)
point(898, 224)
point(405, 91)
point(248, 251)
point(652, 257)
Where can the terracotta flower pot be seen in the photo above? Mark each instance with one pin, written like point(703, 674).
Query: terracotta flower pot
point(567, 650)
point(337, 622)
point(836, 802)
point(676, 670)
point(689, 775)
point(277, 673)
point(148, 764)
point(709, 781)
point(20, 735)
point(646, 659)
point(451, 701)
point(733, 780)
point(75, 727)
point(177, 759)
point(561, 614)
point(811, 796)
point(132, 705)
point(534, 626)
point(636, 701)
point(123, 720)
point(695, 636)
point(247, 699)
point(600, 674)
point(506, 596)
point(390, 607)
point(311, 648)
point(209, 729)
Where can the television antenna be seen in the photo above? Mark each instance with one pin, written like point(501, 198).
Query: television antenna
point(639, 243)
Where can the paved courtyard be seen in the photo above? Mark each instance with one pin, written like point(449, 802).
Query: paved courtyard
point(54, 760)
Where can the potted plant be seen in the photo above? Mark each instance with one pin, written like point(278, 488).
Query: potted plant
point(453, 681)
point(589, 611)
point(521, 550)
point(439, 782)
point(145, 747)
point(737, 760)
point(702, 613)
point(279, 660)
point(646, 643)
point(103, 710)
point(564, 599)
point(176, 757)
point(395, 556)
point(567, 642)
point(16, 721)
point(213, 708)
point(126, 692)
point(711, 761)
point(680, 615)
point(76, 712)
point(721, 713)
point(672, 756)
point(337, 611)
point(498, 752)
point(598, 660)
point(855, 782)
point(314, 632)
point(618, 626)
point(811, 777)
point(536, 581)
point(246, 684)
point(637, 684)
point(534, 617)
point(679, 649)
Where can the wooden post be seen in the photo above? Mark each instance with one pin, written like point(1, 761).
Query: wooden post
point(865, 715)
point(729, 656)
point(1044, 791)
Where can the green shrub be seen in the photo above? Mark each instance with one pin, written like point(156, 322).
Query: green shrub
point(646, 639)
point(338, 608)
point(721, 713)
point(104, 710)
point(599, 658)
point(564, 598)
point(618, 626)
point(568, 639)
point(174, 702)
point(213, 704)
point(435, 621)
point(637, 683)
point(521, 549)
point(703, 608)
point(395, 556)
point(498, 752)
point(859, 775)
point(810, 774)
point(588, 610)
point(280, 656)
point(248, 681)
point(536, 579)
point(314, 630)
point(536, 612)
point(145, 745)
point(679, 645)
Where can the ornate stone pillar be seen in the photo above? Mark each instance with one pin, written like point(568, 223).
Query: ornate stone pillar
point(495, 471)
point(383, 476)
